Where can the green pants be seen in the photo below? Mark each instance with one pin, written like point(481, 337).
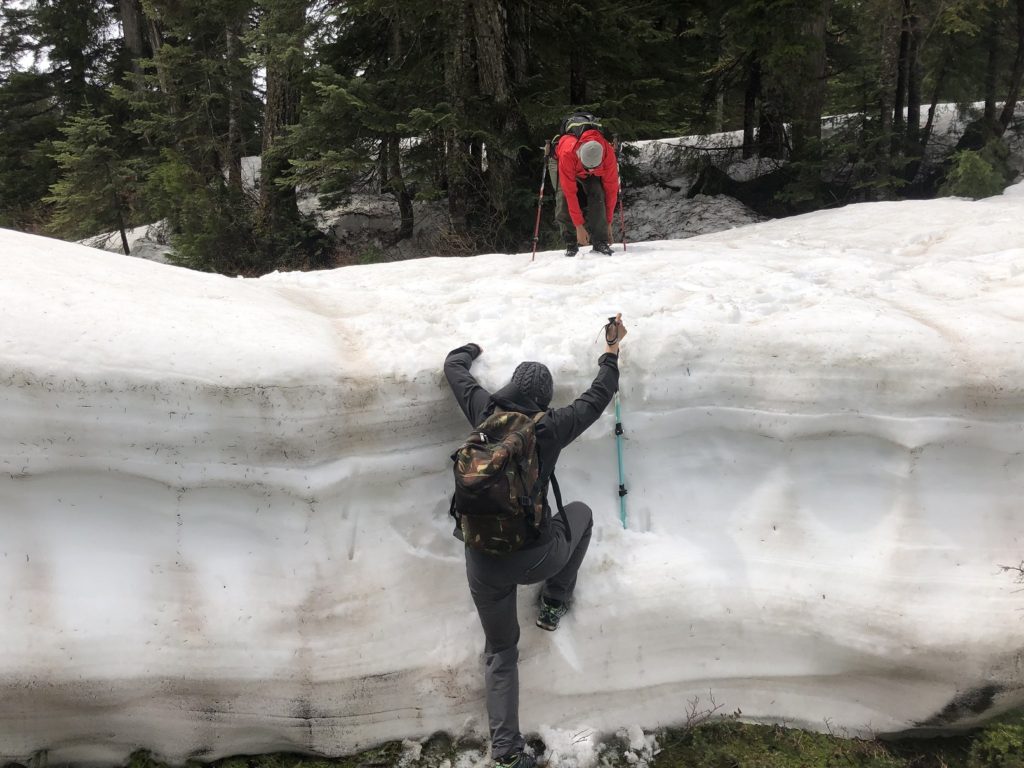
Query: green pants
point(590, 193)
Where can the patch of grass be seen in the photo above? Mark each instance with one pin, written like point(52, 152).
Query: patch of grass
point(722, 742)
point(1000, 745)
point(731, 744)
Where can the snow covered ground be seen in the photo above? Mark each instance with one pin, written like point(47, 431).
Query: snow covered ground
point(224, 501)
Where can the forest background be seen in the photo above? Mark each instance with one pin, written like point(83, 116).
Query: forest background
point(114, 113)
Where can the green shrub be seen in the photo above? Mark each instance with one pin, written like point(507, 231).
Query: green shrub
point(999, 746)
point(977, 174)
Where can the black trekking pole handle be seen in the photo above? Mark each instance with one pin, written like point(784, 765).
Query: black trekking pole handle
point(611, 331)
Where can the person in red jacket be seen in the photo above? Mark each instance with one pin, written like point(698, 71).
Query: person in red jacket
point(587, 191)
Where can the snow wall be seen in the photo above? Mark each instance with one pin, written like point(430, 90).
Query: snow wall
point(224, 501)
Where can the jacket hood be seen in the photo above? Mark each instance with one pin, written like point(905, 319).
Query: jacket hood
point(510, 398)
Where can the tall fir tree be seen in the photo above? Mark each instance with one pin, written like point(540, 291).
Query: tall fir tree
point(97, 188)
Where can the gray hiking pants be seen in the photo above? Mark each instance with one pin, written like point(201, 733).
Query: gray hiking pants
point(492, 583)
point(590, 193)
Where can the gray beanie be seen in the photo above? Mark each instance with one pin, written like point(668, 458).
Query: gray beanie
point(591, 153)
point(533, 380)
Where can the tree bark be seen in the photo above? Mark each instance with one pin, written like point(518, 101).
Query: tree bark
point(577, 76)
point(750, 93)
point(940, 83)
point(577, 58)
point(810, 101)
point(913, 78)
point(397, 184)
point(392, 148)
point(234, 153)
point(133, 25)
point(284, 27)
point(457, 144)
point(496, 80)
point(889, 27)
point(899, 100)
point(992, 66)
point(1016, 76)
point(490, 36)
point(155, 37)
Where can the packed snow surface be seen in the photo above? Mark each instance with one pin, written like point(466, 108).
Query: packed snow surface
point(225, 501)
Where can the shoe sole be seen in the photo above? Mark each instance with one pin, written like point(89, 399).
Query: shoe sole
point(548, 627)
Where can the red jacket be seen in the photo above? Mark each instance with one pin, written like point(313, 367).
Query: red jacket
point(570, 169)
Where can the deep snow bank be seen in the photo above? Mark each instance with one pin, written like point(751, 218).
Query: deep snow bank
point(224, 501)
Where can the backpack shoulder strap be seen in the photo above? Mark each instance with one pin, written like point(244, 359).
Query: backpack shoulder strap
point(558, 494)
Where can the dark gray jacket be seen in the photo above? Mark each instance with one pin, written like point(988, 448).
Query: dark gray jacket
point(558, 428)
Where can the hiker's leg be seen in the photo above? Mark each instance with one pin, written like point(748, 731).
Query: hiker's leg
point(565, 225)
point(495, 601)
point(597, 221)
point(574, 529)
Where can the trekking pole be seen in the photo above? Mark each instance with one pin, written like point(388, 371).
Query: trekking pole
point(611, 335)
point(540, 197)
point(622, 219)
point(622, 216)
point(618, 450)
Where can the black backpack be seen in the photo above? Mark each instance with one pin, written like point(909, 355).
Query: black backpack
point(578, 122)
point(575, 124)
point(498, 501)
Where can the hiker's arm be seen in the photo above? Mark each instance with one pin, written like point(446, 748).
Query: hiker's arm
point(571, 421)
point(567, 180)
point(471, 397)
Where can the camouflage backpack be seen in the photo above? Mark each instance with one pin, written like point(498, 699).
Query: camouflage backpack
point(497, 500)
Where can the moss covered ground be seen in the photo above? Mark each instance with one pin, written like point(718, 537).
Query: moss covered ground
point(720, 743)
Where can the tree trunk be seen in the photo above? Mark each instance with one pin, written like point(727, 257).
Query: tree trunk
point(810, 101)
point(133, 25)
point(519, 41)
point(397, 184)
point(490, 35)
point(940, 83)
point(913, 79)
point(750, 93)
point(992, 66)
point(392, 149)
point(234, 153)
point(577, 58)
point(284, 24)
point(577, 76)
point(899, 100)
point(118, 212)
point(456, 74)
point(495, 79)
point(156, 40)
point(1016, 76)
point(771, 127)
point(889, 28)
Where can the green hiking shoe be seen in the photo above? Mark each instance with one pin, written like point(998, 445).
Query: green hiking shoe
point(516, 760)
point(551, 611)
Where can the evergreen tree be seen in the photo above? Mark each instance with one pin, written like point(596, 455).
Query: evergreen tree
point(29, 119)
point(191, 121)
point(96, 188)
point(375, 108)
